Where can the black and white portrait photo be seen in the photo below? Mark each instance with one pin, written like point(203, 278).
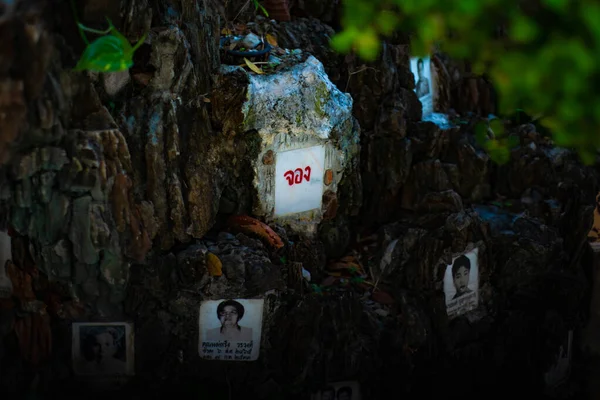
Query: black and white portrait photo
point(421, 69)
point(339, 391)
point(230, 329)
point(103, 348)
point(461, 283)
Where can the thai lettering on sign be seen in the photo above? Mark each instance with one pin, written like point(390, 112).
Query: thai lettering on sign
point(299, 180)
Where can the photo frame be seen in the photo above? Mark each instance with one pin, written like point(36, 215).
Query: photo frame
point(103, 349)
point(461, 283)
point(424, 83)
point(230, 329)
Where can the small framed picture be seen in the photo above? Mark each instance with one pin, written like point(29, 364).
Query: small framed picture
point(424, 85)
point(230, 329)
point(461, 283)
point(348, 390)
point(103, 349)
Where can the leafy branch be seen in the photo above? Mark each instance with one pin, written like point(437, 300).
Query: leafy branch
point(257, 5)
point(541, 55)
point(109, 53)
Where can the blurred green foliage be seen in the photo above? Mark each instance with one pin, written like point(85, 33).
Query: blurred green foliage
point(257, 5)
point(495, 140)
point(544, 62)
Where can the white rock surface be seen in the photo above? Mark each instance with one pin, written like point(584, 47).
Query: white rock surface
point(115, 81)
point(251, 41)
point(307, 124)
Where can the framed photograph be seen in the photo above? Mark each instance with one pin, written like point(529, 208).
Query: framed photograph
point(230, 329)
point(461, 283)
point(103, 348)
point(348, 390)
point(424, 85)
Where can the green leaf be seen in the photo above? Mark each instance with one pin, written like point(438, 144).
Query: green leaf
point(343, 41)
point(497, 126)
point(561, 137)
point(500, 155)
point(111, 53)
point(368, 44)
point(257, 5)
point(387, 22)
point(523, 30)
point(587, 156)
point(432, 28)
point(106, 54)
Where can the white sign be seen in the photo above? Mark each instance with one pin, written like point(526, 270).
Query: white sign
point(230, 329)
point(421, 69)
point(461, 284)
point(299, 180)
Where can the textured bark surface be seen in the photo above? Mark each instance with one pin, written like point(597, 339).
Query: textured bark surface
point(116, 188)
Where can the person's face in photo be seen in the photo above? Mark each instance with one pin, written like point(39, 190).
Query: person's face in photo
point(461, 280)
point(229, 316)
point(105, 346)
point(420, 69)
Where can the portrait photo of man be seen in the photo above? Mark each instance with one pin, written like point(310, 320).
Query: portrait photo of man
point(461, 283)
point(461, 269)
point(425, 85)
point(422, 81)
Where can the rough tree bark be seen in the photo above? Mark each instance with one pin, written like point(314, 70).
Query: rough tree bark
point(110, 184)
